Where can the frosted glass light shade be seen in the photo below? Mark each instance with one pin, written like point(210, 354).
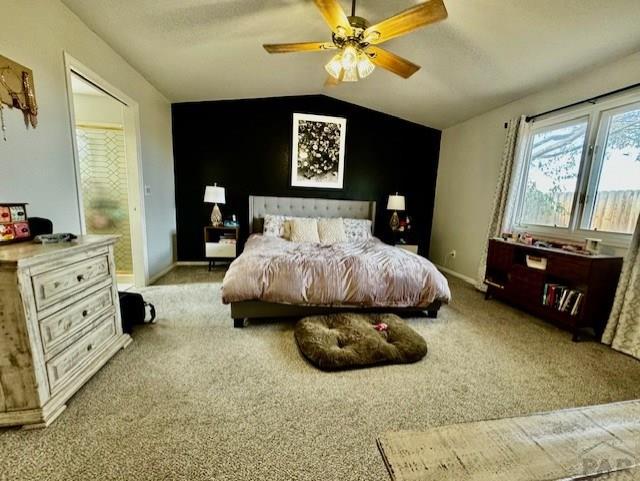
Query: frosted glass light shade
point(334, 66)
point(365, 65)
point(350, 75)
point(349, 57)
point(396, 202)
point(214, 194)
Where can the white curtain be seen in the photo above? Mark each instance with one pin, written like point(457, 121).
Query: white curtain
point(507, 189)
point(623, 329)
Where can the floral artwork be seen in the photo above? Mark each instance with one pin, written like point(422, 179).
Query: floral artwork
point(318, 151)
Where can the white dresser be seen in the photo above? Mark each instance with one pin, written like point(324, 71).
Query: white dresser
point(59, 324)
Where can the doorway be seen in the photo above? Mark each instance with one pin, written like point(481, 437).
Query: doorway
point(107, 170)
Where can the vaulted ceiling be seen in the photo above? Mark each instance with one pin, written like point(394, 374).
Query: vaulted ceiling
point(487, 53)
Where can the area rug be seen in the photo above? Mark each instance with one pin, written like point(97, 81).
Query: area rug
point(348, 340)
point(572, 444)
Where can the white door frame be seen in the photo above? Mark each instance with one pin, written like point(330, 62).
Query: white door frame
point(131, 117)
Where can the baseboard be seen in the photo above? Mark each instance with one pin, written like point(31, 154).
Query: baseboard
point(192, 263)
point(163, 272)
point(469, 280)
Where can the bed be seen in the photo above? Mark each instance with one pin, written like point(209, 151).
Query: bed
point(276, 278)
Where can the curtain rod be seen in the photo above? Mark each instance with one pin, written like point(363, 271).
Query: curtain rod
point(591, 100)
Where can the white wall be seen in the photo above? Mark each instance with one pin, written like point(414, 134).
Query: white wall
point(470, 156)
point(37, 165)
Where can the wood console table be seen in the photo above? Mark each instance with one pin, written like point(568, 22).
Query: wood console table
point(510, 279)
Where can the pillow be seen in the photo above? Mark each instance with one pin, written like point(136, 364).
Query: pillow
point(303, 230)
point(357, 229)
point(273, 225)
point(331, 231)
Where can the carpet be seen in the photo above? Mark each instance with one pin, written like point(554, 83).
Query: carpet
point(195, 399)
point(563, 445)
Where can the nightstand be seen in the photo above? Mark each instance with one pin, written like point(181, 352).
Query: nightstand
point(220, 243)
point(408, 247)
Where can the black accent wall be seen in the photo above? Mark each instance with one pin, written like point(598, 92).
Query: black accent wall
point(245, 146)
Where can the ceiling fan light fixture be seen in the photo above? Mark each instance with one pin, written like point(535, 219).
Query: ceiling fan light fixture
point(349, 57)
point(334, 66)
point(365, 65)
point(354, 36)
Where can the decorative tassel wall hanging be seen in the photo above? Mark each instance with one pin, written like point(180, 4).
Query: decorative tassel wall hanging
point(17, 91)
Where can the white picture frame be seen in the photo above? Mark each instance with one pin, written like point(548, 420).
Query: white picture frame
point(317, 154)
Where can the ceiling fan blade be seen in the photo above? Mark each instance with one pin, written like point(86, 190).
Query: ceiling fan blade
point(406, 21)
point(392, 62)
point(334, 15)
point(298, 47)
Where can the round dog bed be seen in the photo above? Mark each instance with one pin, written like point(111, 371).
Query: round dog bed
point(339, 341)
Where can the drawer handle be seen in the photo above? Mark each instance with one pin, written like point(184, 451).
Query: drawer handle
point(84, 313)
point(80, 277)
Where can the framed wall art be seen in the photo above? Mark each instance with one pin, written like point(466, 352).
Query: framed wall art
point(317, 158)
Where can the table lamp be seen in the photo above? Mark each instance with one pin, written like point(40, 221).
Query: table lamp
point(215, 195)
point(395, 203)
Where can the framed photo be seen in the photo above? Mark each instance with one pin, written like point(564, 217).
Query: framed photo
point(317, 158)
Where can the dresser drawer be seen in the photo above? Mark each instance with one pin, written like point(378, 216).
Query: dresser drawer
point(569, 268)
point(58, 327)
point(215, 249)
point(57, 284)
point(66, 364)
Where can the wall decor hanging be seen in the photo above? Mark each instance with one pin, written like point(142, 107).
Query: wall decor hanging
point(317, 158)
point(17, 90)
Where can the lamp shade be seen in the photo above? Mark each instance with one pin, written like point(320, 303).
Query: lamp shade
point(214, 194)
point(396, 202)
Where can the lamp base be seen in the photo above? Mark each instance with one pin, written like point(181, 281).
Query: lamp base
point(394, 222)
point(216, 216)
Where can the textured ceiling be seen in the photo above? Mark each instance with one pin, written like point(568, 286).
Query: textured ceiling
point(487, 53)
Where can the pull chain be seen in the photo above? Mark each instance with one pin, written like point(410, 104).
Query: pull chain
point(3, 127)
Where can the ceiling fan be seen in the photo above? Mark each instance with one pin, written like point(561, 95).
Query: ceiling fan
point(357, 40)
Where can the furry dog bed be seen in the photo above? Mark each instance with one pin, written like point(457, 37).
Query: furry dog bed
point(339, 341)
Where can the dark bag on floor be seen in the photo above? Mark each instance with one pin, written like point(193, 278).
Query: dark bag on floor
point(133, 310)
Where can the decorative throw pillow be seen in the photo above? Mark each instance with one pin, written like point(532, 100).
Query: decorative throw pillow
point(357, 229)
point(303, 230)
point(286, 228)
point(273, 225)
point(331, 231)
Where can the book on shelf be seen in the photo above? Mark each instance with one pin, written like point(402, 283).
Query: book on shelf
point(562, 298)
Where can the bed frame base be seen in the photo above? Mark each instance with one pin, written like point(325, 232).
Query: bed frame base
point(245, 310)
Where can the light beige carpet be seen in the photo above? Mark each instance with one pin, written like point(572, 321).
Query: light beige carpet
point(195, 399)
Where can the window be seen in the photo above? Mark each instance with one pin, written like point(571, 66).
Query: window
point(582, 172)
point(613, 196)
point(554, 161)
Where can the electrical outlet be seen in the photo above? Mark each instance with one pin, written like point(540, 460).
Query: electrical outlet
point(452, 254)
point(147, 190)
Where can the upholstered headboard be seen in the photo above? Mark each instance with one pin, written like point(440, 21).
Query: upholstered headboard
point(304, 207)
